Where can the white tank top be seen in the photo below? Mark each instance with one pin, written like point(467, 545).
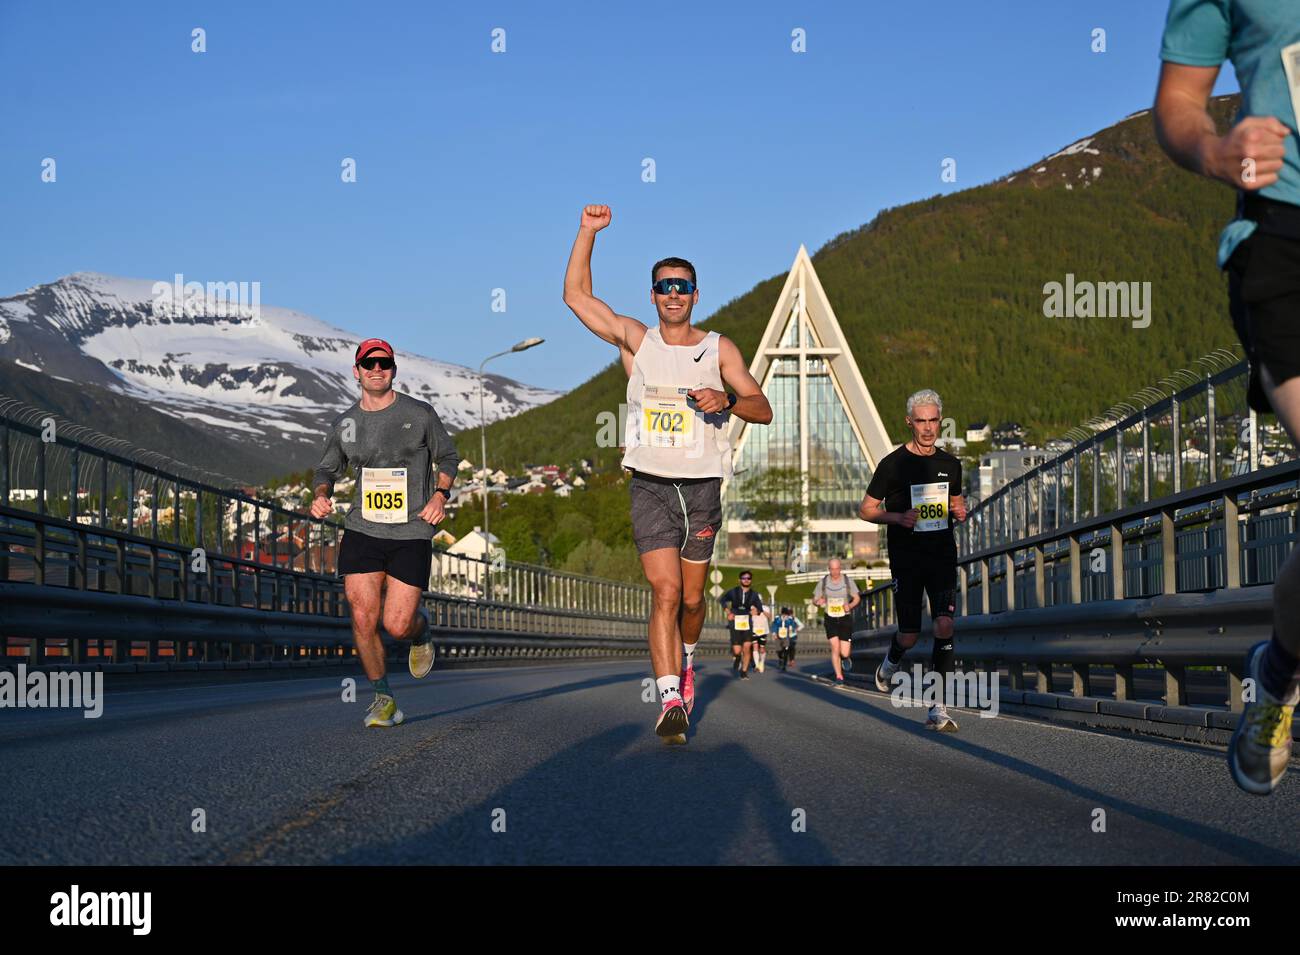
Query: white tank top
point(664, 436)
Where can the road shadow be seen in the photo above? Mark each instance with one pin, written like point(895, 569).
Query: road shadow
point(1245, 849)
point(618, 797)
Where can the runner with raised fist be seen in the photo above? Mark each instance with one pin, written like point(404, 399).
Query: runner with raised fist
point(683, 385)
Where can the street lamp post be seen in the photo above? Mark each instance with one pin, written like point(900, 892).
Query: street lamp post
point(524, 345)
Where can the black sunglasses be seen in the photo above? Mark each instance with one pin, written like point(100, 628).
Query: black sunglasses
point(370, 364)
point(667, 286)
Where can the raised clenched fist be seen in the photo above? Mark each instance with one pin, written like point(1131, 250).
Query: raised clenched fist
point(595, 218)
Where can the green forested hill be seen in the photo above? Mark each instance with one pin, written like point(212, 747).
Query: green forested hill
point(947, 293)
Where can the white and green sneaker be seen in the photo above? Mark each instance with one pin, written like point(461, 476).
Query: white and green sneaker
point(383, 711)
point(1261, 744)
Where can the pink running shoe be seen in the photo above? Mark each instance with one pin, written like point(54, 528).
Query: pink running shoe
point(688, 689)
point(673, 722)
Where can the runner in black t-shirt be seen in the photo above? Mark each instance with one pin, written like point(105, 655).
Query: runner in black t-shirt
point(915, 490)
point(739, 603)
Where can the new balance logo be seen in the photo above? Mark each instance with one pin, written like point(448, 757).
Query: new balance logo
point(408, 424)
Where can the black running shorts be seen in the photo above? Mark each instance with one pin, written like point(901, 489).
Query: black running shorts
point(682, 513)
point(1264, 301)
point(406, 560)
point(918, 577)
point(841, 627)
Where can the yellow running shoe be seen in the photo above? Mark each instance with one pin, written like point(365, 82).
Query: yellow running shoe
point(419, 659)
point(1261, 744)
point(383, 712)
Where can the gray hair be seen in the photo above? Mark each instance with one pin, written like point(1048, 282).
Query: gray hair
point(924, 397)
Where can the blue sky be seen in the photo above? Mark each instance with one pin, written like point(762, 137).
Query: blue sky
point(472, 166)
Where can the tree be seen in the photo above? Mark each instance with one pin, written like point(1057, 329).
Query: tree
point(774, 500)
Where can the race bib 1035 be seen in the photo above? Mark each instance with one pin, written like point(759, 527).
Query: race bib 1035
point(383, 495)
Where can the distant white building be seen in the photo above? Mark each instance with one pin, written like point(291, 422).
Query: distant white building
point(979, 431)
point(462, 569)
point(475, 544)
point(465, 465)
point(999, 468)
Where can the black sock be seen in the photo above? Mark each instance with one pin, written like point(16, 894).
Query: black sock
point(941, 662)
point(896, 651)
point(381, 686)
point(1278, 670)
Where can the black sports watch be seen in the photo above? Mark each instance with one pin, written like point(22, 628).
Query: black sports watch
point(731, 400)
point(445, 492)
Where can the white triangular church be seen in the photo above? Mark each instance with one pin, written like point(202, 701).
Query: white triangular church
point(824, 426)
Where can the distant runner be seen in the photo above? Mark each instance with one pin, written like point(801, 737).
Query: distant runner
point(740, 604)
point(394, 443)
point(915, 489)
point(1260, 249)
point(679, 407)
point(787, 628)
point(760, 625)
point(837, 596)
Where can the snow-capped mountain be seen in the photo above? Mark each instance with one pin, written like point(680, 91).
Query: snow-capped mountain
point(258, 374)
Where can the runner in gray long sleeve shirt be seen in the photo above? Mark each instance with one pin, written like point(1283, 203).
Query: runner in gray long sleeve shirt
point(393, 442)
point(407, 434)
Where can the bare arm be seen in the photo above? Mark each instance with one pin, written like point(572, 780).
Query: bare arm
point(619, 330)
point(1249, 157)
point(873, 510)
point(751, 403)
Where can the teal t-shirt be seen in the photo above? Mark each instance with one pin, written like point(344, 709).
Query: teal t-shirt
point(1252, 34)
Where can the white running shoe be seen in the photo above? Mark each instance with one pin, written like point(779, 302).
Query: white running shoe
point(940, 720)
point(883, 674)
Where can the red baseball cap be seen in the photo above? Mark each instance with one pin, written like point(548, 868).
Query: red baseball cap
point(373, 344)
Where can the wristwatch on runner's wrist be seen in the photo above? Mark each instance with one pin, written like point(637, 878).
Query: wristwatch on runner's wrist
point(444, 491)
point(731, 400)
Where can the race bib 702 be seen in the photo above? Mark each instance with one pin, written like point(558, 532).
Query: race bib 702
point(666, 419)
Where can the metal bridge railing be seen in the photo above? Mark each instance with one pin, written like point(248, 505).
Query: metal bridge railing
point(110, 553)
point(1152, 543)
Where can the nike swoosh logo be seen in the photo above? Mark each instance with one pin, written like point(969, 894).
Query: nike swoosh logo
point(701, 354)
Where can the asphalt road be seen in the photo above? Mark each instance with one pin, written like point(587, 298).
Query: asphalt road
point(779, 769)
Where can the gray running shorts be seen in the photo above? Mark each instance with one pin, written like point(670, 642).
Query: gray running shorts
point(682, 513)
